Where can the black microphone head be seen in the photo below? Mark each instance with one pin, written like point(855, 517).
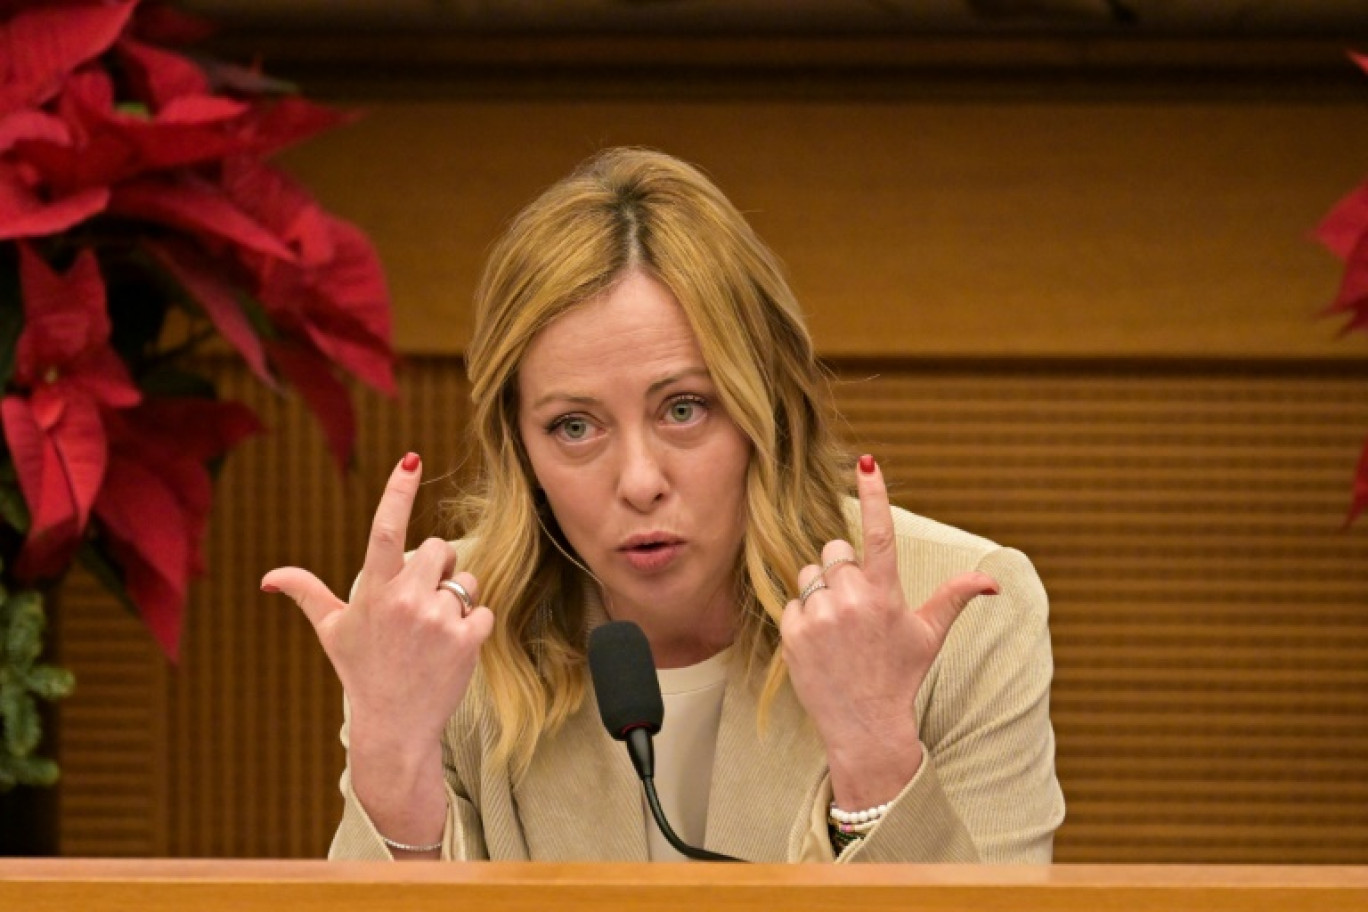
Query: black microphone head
point(625, 682)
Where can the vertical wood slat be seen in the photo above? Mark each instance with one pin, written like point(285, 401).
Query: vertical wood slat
point(1210, 620)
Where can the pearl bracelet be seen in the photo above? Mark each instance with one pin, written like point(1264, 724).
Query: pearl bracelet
point(870, 815)
point(405, 847)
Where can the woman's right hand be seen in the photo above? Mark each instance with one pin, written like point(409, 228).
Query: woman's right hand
point(403, 651)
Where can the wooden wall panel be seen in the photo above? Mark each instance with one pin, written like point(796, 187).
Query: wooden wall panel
point(114, 755)
point(1209, 617)
point(976, 227)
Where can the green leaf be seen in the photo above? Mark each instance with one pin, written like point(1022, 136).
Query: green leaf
point(23, 731)
point(13, 508)
point(36, 771)
point(24, 638)
point(134, 109)
point(50, 682)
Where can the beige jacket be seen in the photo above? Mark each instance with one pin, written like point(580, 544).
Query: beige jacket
point(986, 790)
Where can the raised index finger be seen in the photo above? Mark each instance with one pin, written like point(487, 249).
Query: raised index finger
point(389, 528)
point(876, 520)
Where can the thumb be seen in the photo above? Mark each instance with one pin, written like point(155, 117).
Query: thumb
point(308, 592)
point(944, 606)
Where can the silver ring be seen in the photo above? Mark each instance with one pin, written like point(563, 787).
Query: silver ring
point(456, 589)
point(817, 583)
point(839, 560)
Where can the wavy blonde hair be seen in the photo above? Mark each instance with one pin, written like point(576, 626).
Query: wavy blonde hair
point(628, 209)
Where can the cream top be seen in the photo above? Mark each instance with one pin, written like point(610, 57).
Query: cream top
point(684, 750)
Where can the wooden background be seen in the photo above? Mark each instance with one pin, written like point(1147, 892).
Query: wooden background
point(1077, 318)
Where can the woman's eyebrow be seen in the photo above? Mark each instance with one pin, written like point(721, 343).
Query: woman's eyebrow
point(675, 378)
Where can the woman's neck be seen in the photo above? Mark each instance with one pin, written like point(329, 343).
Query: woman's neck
point(679, 639)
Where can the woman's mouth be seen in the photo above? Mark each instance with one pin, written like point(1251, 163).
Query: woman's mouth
point(649, 554)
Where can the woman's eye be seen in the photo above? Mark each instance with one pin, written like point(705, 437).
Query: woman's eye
point(571, 428)
point(684, 411)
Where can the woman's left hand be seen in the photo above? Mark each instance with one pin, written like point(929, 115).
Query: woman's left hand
point(857, 654)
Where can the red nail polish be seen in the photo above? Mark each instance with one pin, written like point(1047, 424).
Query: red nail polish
point(267, 587)
point(410, 462)
point(867, 464)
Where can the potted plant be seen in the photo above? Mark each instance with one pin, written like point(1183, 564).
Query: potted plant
point(141, 219)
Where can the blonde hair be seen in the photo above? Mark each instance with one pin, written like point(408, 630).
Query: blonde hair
point(630, 209)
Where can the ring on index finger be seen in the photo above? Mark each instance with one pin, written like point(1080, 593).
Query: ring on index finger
point(456, 589)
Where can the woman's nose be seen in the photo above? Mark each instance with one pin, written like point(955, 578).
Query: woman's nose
point(642, 479)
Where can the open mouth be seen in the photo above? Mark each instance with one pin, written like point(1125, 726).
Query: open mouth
point(651, 552)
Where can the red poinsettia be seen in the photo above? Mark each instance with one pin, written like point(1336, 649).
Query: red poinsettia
point(134, 180)
point(157, 459)
point(1345, 232)
point(65, 374)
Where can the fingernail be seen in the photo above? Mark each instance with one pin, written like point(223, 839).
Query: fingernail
point(867, 464)
point(410, 462)
point(267, 587)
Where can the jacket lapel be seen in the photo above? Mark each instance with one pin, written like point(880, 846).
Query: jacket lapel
point(763, 787)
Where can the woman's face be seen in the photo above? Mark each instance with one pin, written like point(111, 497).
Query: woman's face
point(644, 470)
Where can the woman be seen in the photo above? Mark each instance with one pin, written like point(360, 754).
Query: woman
point(655, 448)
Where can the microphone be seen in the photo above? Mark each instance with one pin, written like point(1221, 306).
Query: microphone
point(630, 705)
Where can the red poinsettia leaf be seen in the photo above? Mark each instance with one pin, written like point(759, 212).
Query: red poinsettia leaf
point(102, 376)
point(200, 429)
point(1353, 290)
point(195, 205)
point(53, 535)
point(219, 298)
point(64, 314)
point(273, 198)
point(25, 213)
point(349, 344)
point(160, 601)
point(282, 122)
point(95, 155)
point(1346, 224)
point(39, 46)
point(355, 281)
point(31, 124)
point(109, 146)
point(200, 109)
point(47, 407)
point(148, 534)
point(1360, 498)
point(1360, 59)
point(160, 76)
point(82, 452)
point(323, 393)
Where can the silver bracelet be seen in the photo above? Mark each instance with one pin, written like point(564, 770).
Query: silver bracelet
point(405, 847)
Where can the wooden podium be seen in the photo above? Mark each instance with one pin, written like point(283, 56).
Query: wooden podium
point(87, 885)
